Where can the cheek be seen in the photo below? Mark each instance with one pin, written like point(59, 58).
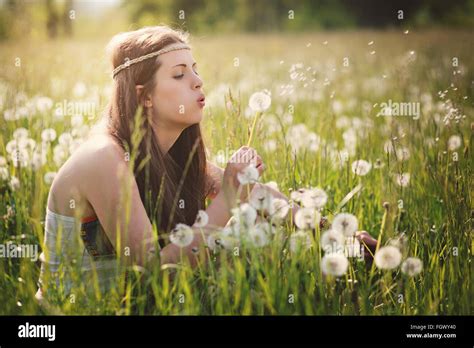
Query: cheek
point(174, 103)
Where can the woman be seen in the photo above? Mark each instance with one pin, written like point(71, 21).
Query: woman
point(153, 123)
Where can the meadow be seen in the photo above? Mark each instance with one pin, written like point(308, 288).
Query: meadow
point(377, 124)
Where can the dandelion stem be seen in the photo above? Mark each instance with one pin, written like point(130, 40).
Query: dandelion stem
point(253, 128)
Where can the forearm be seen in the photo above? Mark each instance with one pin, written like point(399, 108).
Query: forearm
point(219, 211)
point(219, 214)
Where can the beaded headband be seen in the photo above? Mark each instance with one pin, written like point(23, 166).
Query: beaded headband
point(169, 48)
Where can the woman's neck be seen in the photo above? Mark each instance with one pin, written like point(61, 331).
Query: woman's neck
point(166, 136)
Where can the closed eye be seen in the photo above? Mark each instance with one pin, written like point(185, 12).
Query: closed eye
point(181, 76)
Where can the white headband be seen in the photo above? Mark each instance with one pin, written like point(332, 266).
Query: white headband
point(169, 48)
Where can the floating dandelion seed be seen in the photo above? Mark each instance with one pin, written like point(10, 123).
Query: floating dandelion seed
point(454, 142)
point(388, 257)
point(361, 167)
point(182, 235)
point(335, 264)
point(345, 223)
point(412, 266)
point(307, 218)
point(249, 175)
point(370, 43)
point(331, 240)
point(402, 179)
point(300, 241)
point(201, 219)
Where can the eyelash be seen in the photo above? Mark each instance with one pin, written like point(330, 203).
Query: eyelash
point(181, 76)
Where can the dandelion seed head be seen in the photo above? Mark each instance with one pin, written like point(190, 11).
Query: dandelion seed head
point(300, 241)
point(361, 167)
point(345, 223)
point(201, 219)
point(388, 257)
point(454, 142)
point(182, 235)
point(307, 218)
point(249, 175)
point(412, 266)
point(331, 239)
point(335, 264)
point(260, 101)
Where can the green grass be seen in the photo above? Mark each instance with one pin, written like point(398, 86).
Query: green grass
point(434, 211)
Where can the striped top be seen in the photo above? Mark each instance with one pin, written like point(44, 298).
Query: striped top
point(74, 254)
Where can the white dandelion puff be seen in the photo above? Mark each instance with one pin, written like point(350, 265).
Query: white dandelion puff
point(412, 266)
point(48, 135)
point(388, 257)
point(245, 214)
point(454, 142)
point(314, 198)
point(402, 179)
point(279, 209)
point(331, 240)
point(201, 219)
point(335, 264)
point(299, 241)
point(14, 183)
point(345, 223)
point(307, 218)
point(403, 154)
point(260, 101)
point(214, 241)
point(361, 167)
point(260, 234)
point(261, 199)
point(249, 175)
point(20, 133)
point(182, 235)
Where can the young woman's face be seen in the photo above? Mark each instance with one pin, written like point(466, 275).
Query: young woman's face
point(177, 100)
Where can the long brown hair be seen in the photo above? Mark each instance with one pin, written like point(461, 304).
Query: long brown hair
point(168, 193)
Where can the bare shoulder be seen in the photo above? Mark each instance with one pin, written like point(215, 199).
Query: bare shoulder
point(98, 160)
point(99, 157)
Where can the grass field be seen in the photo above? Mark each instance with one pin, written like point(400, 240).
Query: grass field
point(327, 94)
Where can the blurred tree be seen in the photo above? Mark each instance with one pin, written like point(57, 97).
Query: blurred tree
point(53, 19)
point(67, 20)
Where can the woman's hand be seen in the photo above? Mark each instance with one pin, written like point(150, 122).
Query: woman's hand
point(240, 160)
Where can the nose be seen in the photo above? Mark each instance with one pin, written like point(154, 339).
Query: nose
point(197, 82)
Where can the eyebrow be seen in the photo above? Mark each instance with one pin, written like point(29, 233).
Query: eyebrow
point(184, 65)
